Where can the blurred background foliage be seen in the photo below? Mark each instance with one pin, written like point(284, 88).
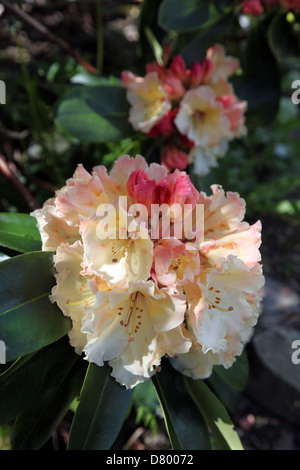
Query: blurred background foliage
point(43, 82)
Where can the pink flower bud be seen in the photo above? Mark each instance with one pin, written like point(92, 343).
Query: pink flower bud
point(207, 67)
point(140, 188)
point(252, 7)
point(173, 157)
point(178, 68)
point(196, 74)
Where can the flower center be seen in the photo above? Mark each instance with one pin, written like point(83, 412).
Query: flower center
point(217, 301)
point(119, 248)
point(131, 316)
point(83, 291)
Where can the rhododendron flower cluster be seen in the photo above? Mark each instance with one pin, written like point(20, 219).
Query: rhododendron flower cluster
point(193, 111)
point(134, 299)
point(256, 7)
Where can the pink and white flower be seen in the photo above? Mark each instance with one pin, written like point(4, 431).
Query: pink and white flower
point(134, 298)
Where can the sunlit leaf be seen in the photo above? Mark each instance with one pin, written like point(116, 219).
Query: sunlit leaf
point(94, 113)
point(185, 424)
point(19, 232)
point(102, 409)
point(28, 320)
point(215, 414)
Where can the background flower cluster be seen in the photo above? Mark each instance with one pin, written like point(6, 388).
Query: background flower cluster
point(256, 7)
point(193, 111)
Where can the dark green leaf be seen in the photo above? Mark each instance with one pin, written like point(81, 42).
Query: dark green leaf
point(237, 374)
point(28, 320)
point(228, 395)
point(102, 409)
point(186, 427)
point(284, 38)
point(190, 14)
point(214, 414)
point(94, 113)
point(260, 83)
point(194, 48)
point(35, 425)
point(19, 232)
point(22, 386)
point(148, 21)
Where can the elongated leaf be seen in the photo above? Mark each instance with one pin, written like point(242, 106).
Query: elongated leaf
point(214, 414)
point(35, 425)
point(260, 83)
point(94, 114)
point(190, 14)
point(193, 47)
point(284, 38)
point(102, 409)
point(237, 374)
point(185, 424)
point(19, 232)
point(148, 21)
point(28, 320)
point(22, 385)
point(228, 395)
point(12, 368)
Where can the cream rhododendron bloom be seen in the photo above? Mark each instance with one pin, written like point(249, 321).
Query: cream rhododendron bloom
point(224, 300)
point(135, 294)
point(148, 98)
point(223, 66)
point(201, 117)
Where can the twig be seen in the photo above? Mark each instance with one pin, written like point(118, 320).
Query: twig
point(51, 36)
point(9, 173)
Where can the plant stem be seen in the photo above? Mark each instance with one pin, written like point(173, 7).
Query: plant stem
point(99, 36)
point(8, 171)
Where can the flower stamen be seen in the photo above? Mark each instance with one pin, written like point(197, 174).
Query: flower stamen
point(217, 300)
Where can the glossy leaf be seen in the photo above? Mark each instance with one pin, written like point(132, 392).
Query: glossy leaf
point(215, 414)
point(28, 320)
point(19, 232)
point(237, 374)
point(22, 385)
point(94, 113)
point(228, 395)
point(259, 85)
point(103, 406)
point(284, 38)
point(148, 21)
point(185, 424)
point(190, 14)
point(35, 425)
point(194, 48)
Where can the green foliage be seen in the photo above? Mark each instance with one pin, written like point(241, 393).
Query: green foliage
point(28, 321)
point(191, 14)
point(103, 406)
point(185, 424)
point(63, 115)
point(19, 232)
point(94, 114)
point(215, 415)
point(147, 405)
